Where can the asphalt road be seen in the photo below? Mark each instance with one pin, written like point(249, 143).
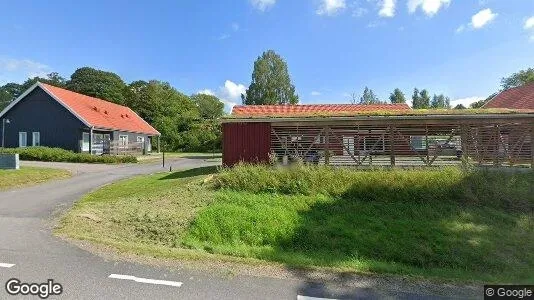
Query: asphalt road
point(30, 253)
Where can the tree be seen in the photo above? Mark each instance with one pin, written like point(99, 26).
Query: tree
point(96, 83)
point(369, 97)
point(397, 96)
point(518, 79)
point(52, 78)
point(421, 99)
point(460, 106)
point(424, 99)
point(416, 101)
point(440, 101)
point(8, 93)
point(271, 83)
point(209, 106)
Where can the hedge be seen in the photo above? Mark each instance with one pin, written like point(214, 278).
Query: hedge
point(62, 155)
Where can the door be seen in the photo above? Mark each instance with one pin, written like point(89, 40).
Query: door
point(23, 139)
point(85, 142)
point(36, 139)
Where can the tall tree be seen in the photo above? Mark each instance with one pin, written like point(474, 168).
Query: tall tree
point(416, 100)
point(8, 93)
point(369, 97)
point(97, 83)
point(440, 101)
point(209, 106)
point(424, 99)
point(397, 96)
point(271, 83)
point(518, 79)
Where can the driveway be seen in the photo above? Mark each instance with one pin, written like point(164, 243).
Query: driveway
point(74, 168)
point(29, 252)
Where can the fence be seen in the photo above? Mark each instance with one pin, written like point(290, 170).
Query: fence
point(405, 142)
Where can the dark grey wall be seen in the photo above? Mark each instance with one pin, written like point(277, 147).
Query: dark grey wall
point(40, 112)
point(132, 137)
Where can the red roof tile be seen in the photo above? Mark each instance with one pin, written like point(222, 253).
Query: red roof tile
point(314, 109)
point(100, 113)
point(516, 98)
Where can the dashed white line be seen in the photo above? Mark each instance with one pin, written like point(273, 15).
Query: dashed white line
point(145, 280)
point(299, 297)
point(4, 265)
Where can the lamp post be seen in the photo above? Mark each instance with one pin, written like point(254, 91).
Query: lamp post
point(4, 122)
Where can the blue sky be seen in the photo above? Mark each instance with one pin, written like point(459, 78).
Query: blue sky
point(333, 47)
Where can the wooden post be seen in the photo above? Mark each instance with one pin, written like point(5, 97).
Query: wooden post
point(532, 146)
point(426, 145)
point(327, 151)
point(91, 141)
point(464, 145)
point(392, 145)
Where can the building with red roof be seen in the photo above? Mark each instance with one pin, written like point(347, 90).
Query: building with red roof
point(46, 115)
point(515, 98)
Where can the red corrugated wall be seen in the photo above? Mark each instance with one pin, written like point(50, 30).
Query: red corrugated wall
point(246, 142)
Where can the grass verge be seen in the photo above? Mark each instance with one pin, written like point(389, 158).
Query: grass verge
point(445, 224)
point(62, 155)
point(29, 176)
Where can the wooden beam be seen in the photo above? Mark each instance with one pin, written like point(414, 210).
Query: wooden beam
point(392, 145)
point(327, 151)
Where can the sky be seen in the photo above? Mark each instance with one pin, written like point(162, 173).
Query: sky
point(333, 48)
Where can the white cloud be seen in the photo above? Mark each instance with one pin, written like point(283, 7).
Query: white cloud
point(387, 9)
point(206, 92)
point(482, 18)
point(263, 5)
point(529, 23)
point(466, 101)
point(460, 29)
point(331, 7)
point(315, 93)
point(429, 7)
point(17, 70)
point(229, 94)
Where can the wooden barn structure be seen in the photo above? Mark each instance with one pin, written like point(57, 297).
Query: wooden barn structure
point(378, 135)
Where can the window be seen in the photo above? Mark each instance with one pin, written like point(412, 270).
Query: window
point(23, 139)
point(123, 140)
point(36, 139)
point(140, 139)
point(85, 142)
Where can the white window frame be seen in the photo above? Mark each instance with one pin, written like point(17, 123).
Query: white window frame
point(25, 144)
point(36, 138)
point(123, 138)
point(86, 146)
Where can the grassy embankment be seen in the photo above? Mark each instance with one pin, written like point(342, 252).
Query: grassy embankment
point(444, 224)
point(29, 176)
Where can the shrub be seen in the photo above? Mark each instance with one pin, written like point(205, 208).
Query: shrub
point(62, 155)
point(499, 189)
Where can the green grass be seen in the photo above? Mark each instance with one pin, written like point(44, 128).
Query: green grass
point(28, 176)
point(441, 223)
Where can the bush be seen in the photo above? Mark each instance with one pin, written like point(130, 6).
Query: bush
point(498, 189)
point(62, 155)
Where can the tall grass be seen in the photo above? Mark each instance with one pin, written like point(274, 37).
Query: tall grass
point(509, 190)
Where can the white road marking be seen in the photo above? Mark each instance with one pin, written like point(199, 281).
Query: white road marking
point(4, 265)
point(299, 297)
point(145, 280)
